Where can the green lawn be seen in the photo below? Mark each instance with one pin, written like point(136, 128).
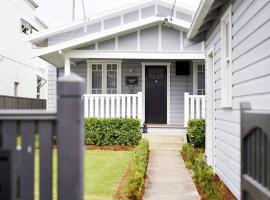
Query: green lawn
point(103, 170)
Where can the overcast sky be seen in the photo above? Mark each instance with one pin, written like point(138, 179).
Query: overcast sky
point(57, 12)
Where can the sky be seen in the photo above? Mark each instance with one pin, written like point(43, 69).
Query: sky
point(58, 12)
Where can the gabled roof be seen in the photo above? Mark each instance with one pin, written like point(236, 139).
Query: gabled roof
point(106, 34)
point(206, 14)
point(33, 3)
point(37, 37)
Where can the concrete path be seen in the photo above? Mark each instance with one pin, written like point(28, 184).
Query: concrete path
point(167, 177)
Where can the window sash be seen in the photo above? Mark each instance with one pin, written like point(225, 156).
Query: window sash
point(226, 72)
point(110, 78)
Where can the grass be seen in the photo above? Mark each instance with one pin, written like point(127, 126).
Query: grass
point(102, 172)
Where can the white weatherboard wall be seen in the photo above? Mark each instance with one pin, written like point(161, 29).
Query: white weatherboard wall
point(15, 62)
point(250, 82)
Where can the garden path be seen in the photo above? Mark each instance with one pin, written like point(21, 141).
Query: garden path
point(167, 176)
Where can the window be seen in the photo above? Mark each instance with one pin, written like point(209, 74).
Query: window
point(105, 78)
point(16, 88)
point(226, 60)
point(27, 28)
point(201, 79)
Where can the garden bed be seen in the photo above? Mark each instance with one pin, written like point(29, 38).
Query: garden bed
point(209, 186)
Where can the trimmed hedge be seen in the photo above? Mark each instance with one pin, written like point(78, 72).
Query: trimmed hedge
point(202, 173)
point(132, 184)
point(196, 132)
point(116, 131)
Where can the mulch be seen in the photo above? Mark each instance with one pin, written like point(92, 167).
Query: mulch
point(227, 193)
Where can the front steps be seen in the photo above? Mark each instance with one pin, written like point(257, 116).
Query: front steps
point(165, 140)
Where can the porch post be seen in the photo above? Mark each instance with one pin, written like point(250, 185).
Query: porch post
point(67, 66)
point(195, 78)
point(186, 108)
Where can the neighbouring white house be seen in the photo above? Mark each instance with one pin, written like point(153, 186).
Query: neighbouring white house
point(136, 62)
point(237, 41)
point(20, 75)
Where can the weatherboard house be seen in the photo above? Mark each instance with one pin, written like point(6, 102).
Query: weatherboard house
point(236, 35)
point(136, 62)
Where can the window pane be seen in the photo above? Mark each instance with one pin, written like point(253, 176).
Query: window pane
point(96, 79)
point(111, 79)
point(114, 67)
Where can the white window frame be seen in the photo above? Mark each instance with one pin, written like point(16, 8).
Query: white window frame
point(226, 60)
point(104, 74)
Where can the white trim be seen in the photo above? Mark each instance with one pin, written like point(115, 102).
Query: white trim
point(103, 35)
point(210, 106)
point(195, 77)
point(88, 75)
point(87, 54)
point(159, 38)
point(138, 40)
point(116, 43)
point(199, 17)
point(181, 41)
point(104, 74)
point(226, 62)
point(130, 7)
point(67, 66)
point(168, 65)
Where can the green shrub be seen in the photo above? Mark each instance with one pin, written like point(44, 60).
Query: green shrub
point(202, 173)
point(117, 131)
point(196, 132)
point(138, 170)
point(132, 185)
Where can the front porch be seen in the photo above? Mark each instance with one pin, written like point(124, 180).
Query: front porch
point(154, 91)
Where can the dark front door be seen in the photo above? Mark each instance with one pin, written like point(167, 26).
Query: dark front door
point(155, 94)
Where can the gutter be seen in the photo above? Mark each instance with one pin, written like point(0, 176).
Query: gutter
point(199, 17)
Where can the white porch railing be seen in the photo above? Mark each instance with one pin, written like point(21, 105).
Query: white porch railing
point(194, 107)
point(113, 105)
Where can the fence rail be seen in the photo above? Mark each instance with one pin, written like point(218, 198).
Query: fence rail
point(113, 105)
point(18, 131)
point(10, 102)
point(194, 107)
point(255, 154)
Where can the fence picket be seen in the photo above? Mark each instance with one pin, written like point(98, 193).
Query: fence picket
point(123, 102)
point(91, 107)
point(128, 107)
point(9, 131)
point(96, 100)
point(27, 160)
point(102, 111)
point(198, 108)
point(117, 106)
point(45, 130)
point(134, 105)
point(112, 107)
point(107, 107)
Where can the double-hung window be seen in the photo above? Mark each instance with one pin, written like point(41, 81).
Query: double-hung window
point(105, 77)
point(226, 59)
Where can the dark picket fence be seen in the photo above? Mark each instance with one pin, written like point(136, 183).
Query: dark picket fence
point(255, 154)
point(9, 102)
point(17, 164)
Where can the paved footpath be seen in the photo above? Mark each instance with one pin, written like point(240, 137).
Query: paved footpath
point(167, 177)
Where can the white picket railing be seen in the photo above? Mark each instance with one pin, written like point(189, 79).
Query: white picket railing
point(194, 107)
point(113, 105)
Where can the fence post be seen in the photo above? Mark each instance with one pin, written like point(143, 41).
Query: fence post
point(70, 137)
point(186, 108)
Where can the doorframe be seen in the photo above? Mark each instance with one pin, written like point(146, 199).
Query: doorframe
point(168, 65)
point(210, 87)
